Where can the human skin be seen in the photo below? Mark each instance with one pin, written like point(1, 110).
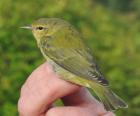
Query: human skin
point(43, 87)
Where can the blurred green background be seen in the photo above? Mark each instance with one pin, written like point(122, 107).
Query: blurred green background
point(112, 30)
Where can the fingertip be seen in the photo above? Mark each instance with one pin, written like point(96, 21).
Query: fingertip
point(45, 67)
point(48, 67)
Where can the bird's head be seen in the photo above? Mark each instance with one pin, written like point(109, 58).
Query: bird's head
point(44, 27)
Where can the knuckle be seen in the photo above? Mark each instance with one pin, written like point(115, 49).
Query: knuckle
point(24, 108)
point(21, 107)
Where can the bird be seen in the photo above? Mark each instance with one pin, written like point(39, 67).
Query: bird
point(64, 48)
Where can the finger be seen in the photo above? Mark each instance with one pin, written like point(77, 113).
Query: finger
point(86, 106)
point(41, 88)
point(70, 111)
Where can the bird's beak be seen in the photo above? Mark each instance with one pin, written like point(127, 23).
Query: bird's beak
point(27, 27)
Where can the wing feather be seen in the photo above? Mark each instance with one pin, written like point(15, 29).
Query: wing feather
point(76, 60)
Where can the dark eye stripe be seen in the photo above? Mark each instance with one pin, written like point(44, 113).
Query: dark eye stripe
point(40, 28)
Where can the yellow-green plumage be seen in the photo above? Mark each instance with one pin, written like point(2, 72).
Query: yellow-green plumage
point(63, 47)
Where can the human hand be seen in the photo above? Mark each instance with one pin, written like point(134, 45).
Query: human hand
point(43, 87)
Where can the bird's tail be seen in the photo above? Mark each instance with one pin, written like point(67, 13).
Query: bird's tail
point(109, 99)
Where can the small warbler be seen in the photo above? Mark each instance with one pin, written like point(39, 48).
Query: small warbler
point(63, 47)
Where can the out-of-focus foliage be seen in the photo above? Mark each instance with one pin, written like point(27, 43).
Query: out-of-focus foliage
point(112, 30)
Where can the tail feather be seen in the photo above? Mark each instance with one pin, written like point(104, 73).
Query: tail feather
point(109, 99)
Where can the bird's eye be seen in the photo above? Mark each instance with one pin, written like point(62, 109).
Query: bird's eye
point(40, 28)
